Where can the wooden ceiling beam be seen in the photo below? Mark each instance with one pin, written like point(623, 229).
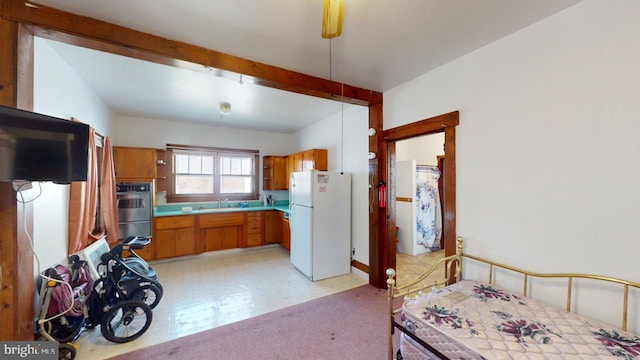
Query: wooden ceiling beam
point(87, 32)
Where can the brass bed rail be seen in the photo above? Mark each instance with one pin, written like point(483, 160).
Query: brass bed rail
point(416, 287)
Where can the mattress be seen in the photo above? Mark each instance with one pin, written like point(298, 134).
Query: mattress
point(470, 320)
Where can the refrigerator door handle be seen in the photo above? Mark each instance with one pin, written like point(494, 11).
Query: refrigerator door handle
point(292, 185)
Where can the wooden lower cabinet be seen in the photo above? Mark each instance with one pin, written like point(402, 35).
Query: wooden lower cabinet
point(193, 234)
point(285, 240)
point(221, 231)
point(148, 252)
point(220, 238)
point(254, 228)
point(272, 227)
point(175, 236)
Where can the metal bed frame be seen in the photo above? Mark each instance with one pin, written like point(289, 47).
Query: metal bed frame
point(453, 265)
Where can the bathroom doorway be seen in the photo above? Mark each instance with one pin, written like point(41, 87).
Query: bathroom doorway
point(418, 202)
point(443, 124)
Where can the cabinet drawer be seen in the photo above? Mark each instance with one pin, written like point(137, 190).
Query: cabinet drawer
point(254, 228)
point(254, 239)
point(173, 222)
point(254, 220)
point(253, 225)
point(215, 220)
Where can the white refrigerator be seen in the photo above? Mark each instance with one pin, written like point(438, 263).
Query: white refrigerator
point(320, 220)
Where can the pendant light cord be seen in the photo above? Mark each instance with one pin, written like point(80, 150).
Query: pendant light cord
point(342, 112)
point(341, 99)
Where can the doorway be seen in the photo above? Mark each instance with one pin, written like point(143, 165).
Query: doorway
point(418, 205)
point(446, 124)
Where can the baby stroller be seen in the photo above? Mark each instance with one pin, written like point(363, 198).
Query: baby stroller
point(62, 304)
point(121, 317)
point(70, 301)
point(133, 275)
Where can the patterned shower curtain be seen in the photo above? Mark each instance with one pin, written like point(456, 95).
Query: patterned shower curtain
point(428, 212)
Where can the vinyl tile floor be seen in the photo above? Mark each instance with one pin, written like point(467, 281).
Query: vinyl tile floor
point(210, 290)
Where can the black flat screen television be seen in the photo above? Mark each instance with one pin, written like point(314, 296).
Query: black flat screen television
point(37, 147)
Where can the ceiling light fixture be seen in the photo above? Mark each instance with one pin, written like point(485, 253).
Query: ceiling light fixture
point(332, 18)
point(225, 108)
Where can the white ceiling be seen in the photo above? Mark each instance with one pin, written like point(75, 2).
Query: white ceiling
point(383, 44)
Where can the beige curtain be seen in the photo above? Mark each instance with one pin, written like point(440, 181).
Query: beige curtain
point(82, 203)
point(108, 194)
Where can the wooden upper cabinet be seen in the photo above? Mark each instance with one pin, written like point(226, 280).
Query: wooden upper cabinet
point(134, 163)
point(297, 161)
point(290, 167)
point(161, 170)
point(314, 159)
point(274, 172)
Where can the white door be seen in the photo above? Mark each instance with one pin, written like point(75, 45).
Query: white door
point(301, 227)
point(405, 218)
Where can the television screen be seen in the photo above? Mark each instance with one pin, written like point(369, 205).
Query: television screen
point(37, 147)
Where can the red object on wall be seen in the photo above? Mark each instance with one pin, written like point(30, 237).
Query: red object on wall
point(382, 195)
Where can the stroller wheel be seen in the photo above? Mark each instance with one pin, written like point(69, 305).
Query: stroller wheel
point(148, 293)
point(66, 351)
point(126, 321)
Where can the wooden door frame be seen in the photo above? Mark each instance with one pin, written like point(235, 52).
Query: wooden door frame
point(16, 220)
point(443, 123)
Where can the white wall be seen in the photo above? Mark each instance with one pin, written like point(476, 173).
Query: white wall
point(346, 134)
point(547, 144)
point(58, 91)
point(424, 149)
point(144, 132)
point(155, 133)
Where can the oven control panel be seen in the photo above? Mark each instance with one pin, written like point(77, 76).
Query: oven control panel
point(133, 187)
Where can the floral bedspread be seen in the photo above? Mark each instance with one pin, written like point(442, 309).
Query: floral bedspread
point(469, 320)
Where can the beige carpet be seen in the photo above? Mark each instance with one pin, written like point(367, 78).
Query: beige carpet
point(348, 325)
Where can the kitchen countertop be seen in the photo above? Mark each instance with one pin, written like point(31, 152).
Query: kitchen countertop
point(173, 210)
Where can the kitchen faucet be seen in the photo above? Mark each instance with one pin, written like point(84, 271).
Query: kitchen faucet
point(219, 205)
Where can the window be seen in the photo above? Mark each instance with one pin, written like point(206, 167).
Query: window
point(207, 174)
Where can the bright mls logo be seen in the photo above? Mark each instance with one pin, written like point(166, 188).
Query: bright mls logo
point(41, 350)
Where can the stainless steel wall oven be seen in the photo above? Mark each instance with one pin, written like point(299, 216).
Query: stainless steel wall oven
point(135, 208)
